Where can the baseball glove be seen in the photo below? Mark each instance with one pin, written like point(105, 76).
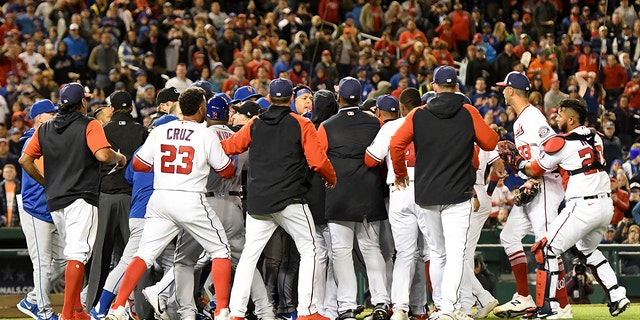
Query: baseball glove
point(526, 193)
point(510, 154)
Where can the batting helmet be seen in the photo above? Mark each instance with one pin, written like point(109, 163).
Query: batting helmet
point(217, 108)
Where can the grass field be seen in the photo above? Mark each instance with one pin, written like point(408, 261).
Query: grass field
point(586, 312)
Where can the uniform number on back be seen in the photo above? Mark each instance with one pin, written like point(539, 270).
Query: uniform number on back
point(588, 158)
point(176, 159)
point(410, 156)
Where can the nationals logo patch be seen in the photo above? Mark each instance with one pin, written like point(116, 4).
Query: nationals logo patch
point(543, 131)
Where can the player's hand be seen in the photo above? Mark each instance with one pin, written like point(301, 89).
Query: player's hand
point(401, 183)
point(510, 154)
point(122, 161)
point(498, 169)
point(614, 197)
point(476, 204)
point(329, 185)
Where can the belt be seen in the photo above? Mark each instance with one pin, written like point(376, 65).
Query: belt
point(597, 196)
point(223, 194)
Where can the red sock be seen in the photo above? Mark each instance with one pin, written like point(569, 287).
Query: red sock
point(221, 277)
point(520, 271)
point(428, 275)
point(73, 276)
point(132, 275)
point(561, 290)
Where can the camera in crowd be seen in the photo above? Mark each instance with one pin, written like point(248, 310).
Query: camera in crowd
point(579, 267)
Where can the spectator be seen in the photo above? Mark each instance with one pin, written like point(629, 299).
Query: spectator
point(180, 81)
point(9, 188)
point(372, 18)
point(625, 42)
point(483, 274)
point(614, 79)
point(77, 47)
point(461, 27)
point(632, 166)
point(611, 144)
point(579, 283)
point(609, 235)
point(620, 200)
point(29, 22)
point(298, 75)
point(329, 10)
point(102, 59)
point(630, 264)
point(627, 12)
point(217, 16)
point(409, 37)
point(403, 71)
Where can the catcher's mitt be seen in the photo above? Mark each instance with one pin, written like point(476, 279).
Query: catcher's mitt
point(510, 154)
point(526, 193)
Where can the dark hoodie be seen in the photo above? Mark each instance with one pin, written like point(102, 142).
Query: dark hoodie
point(324, 106)
point(443, 132)
point(73, 172)
point(283, 145)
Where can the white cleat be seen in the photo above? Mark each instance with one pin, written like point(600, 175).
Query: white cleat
point(223, 314)
point(483, 312)
point(399, 314)
point(159, 307)
point(461, 315)
point(440, 315)
point(119, 313)
point(565, 313)
point(518, 306)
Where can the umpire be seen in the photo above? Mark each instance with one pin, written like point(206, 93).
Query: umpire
point(356, 206)
point(125, 135)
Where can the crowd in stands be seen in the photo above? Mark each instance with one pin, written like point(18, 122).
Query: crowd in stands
point(585, 49)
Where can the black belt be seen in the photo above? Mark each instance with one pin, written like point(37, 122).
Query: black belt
point(217, 194)
point(602, 195)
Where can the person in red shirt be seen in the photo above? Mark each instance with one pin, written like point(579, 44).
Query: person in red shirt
point(542, 67)
point(588, 61)
point(372, 18)
point(442, 54)
point(614, 79)
point(446, 33)
point(330, 10)
point(252, 66)
point(461, 27)
point(620, 200)
point(409, 37)
point(386, 44)
point(632, 90)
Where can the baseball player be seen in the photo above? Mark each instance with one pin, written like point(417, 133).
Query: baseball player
point(445, 118)
point(72, 146)
point(180, 154)
point(355, 208)
point(578, 155)
point(43, 239)
point(403, 211)
point(278, 183)
point(531, 131)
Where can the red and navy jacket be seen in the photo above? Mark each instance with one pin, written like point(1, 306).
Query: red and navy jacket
point(283, 145)
point(443, 133)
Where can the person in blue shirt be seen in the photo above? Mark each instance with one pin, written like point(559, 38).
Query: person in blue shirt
point(77, 47)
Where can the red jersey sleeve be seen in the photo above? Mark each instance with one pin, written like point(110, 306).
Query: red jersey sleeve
point(486, 138)
point(33, 148)
point(314, 151)
point(96, 139)
point(399, 143)
point(239, 142)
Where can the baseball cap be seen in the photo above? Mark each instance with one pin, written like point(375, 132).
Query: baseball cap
point(40, 107)
point(3, 140)
point(572, 89)
point(516, 80)
point(244, 93)
point(361, 68)
point(633, 153)
point(349, 88)
point(204, 85)
point(264, 103)
point(402, 63)
point(141, 72)
point(387, 103)
point(166, 95)
point(217, 108)
point(165, 119)
point(635, 185)
point(120, 85)
point(248, 108)
point(326, 52)
point(11, 73)
point(280, 88)
point(13, 131)
point(427, 96)
point(477, 37)
point(609, 124)
point(445, 75)
point(113, 71)
point(368, 105)
point(517, 24)
point(71, 93)
point(611, 228)
point(73, 26)
point(121, 100)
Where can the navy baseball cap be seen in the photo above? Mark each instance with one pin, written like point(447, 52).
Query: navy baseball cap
point(244, 93)
point(516, 80)
point(248, 108)
point(445, 75)
point(427, 96)
point(42, 106)
point(121, 100)
point(387, 103)
point(280, 88)
point(166, 95)
point(264, 103)
point(204, 85)
point(71, 93)
point(349, 88)
point(165, 119)
point(217, 108)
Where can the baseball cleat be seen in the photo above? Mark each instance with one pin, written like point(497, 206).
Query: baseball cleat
point(399, 314)
point(618, 307)
point(287, 316)
point(441, 315)
point(484, 311)
point(518, 306)
point(419, 316)
point(28, 308)
point(565, 313)
point(347, 315)
point(159, 306)
point(223, 314)
point(461, 315)
point(95, 315)
point(380, 312)
point(119, 313)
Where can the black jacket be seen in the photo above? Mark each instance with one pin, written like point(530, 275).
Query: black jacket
point(126, 136)
point(359, 192)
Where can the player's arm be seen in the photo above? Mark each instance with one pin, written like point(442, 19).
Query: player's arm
point(485, 137)
point(315, 152)
point(32, 152)
point(218, 160)
point(143, 157)
point(379, 148)
point(547, 160)
point(97, 142)
point(239, 142)
point(397, 147)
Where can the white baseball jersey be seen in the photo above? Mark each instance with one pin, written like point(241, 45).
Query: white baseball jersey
point(215, 183)
point(485, 158)
point(181, 154)
point(530, 131)
point(576, 154)
point(379, 149)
